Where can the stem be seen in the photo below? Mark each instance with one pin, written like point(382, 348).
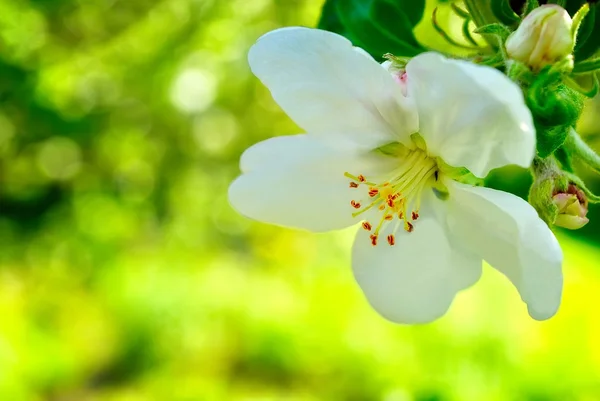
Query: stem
point(582, 150)
point(544, 166)
point(482, 14)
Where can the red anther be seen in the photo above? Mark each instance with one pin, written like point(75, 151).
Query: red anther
point(409, 227)
point(400, 215)
point(366, 225)
point(388, 217)
point(373, 239)
point(353, 185)
point(390, 202)
point(373, 192)
point(415, 215)
point(395, 196)
point(361, 178)
point(391, 239)
point(355, 204)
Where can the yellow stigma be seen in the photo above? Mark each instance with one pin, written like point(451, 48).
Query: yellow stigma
point(398, 198)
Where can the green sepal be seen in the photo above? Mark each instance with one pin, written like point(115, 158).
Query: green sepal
point(590, 93)
point(519, 72)
point(552, 102)
point(591, 197)
point(529, 6)
point(548, 180)
point(578, 19)
point(555, 108)
point(540, 197)
point(549, 139)
point(587, 66)
point(499, 30)
point(587, 43)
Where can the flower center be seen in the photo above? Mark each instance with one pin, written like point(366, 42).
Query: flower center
point(398, 198)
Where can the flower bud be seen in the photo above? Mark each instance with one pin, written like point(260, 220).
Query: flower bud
point(572, 208)
point(398, 73)
point(543, 38)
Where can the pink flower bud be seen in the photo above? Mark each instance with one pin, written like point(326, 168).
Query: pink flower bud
point(572, 208)
point(543, 38)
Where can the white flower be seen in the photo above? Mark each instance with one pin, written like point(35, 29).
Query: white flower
point(424, 235)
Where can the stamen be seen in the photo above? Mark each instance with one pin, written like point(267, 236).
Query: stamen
point(399, 196)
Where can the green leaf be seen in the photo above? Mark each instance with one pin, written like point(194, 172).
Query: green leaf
point(378, 26)
point(504, 12)
point(330, 20)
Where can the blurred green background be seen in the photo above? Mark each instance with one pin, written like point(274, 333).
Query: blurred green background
point(126, 276)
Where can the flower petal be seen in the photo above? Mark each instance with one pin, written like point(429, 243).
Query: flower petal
point(507, 232)
point(332, 89)
point(298, 181)
point(471, 116)
point(415, 280)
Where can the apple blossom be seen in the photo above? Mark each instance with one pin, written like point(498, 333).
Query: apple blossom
point(402, 166)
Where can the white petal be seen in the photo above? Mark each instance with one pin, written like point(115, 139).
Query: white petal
point(471, 116)
point(507, 232)
point(332, 89)
point(283, 150)
point(415, 280)
point(297, 181)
